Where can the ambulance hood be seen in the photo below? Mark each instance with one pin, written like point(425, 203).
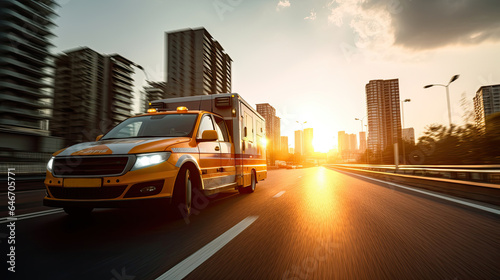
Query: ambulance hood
point(122, 146)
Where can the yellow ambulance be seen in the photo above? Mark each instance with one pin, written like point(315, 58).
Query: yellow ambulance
point(181, 147)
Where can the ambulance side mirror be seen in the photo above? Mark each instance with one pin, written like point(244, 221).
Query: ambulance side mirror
point(209, 135)
point(98, 137)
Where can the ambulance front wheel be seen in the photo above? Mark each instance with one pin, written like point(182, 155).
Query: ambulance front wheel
point(183, 192)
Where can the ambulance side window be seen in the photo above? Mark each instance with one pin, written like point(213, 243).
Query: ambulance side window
point(221, 129)
point(249, 127)
point(205, 124)
point(260, 131)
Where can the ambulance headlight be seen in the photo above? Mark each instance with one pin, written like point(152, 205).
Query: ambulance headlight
point(49, 164)
point(145, 160)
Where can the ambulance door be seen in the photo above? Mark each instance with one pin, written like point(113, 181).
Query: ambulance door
point(210, 161)
point(228, 161)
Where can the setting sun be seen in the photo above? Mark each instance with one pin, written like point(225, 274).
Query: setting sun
point(322, 142)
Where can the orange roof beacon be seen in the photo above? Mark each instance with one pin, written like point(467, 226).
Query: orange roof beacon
point(165, 157)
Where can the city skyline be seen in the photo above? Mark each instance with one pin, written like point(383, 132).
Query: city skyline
point(325, 49)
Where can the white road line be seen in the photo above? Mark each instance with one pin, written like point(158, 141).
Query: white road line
point(30, 215)
point(185, 267)
point(279, 194)
point(481, 207)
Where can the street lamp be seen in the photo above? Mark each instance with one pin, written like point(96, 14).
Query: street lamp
point(144, 71)
point(403, 115)
point(361, 120)
point(454, 78)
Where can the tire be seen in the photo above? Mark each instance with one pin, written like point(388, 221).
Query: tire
point(253, 185)
point(78, 211)
point(183, 193)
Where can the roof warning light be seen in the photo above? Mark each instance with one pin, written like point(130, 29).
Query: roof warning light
point(182, 109)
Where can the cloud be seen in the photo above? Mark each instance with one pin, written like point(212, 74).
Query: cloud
point(372, 29)
point(282, 4)
point(427, 24)
point(312, 15)
point(422, 24)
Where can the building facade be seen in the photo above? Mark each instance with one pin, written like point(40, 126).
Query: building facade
point(299, 148)
point(153, 91)
point(196, 64)
point(343, 144)
point(118, 89)
point(93, 92)
point(362, 141)
point(26, 80)
point(486, 102)
point(353, 142)
point(347, 145)
point(409, 135)
point(384, 115)
point(273, 133)
point(284, 147)
point(308, 142)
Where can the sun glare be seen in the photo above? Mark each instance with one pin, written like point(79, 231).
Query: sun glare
point(322, 143)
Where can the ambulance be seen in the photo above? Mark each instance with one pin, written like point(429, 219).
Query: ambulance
point(181, 148)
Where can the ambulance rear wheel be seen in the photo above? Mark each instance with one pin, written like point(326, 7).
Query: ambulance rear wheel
point(253, 184)
point(78, 211)
point(183, 192)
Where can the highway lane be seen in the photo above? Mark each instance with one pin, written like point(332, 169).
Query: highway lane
point(312, 223)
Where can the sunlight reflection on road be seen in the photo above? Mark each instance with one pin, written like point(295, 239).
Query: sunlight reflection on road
point(320, 199)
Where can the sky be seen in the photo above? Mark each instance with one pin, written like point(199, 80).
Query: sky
point(312, 59)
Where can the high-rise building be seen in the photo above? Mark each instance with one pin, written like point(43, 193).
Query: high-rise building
point(308, 142)
point(343, 144)
point(353, 142)
point(362, 141)
point(153, 91)
point(196, 64)
point(277, 135)
point(93, 92)
point(119, 90)
point(347, 145)
point(298, 142)
point(409, 135)
point(284, 146)
point(486, 102)
point(272, 130)
point(26, 79)
point(384, 117)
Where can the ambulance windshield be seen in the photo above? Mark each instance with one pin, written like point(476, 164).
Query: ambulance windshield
point(171, 125)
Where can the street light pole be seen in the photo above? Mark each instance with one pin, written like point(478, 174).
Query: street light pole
point(361, 120)
point(448, 101)
point(144, 71)
point(403, 115)
point(454, 78)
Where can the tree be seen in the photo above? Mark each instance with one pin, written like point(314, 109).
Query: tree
point(465, 144)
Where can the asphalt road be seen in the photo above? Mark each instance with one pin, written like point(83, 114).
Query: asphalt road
point(312, 223)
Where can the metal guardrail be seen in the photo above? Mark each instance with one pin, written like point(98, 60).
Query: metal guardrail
point(471, 173)
point(29, 170)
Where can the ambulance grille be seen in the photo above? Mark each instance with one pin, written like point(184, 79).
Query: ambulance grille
point(90, 165)
point(87, 193)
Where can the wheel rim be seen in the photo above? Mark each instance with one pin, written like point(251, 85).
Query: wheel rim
point(253, 181)
point(188, 189)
